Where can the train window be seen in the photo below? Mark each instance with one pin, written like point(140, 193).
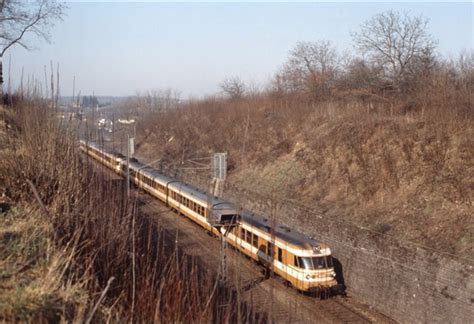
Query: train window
point(249, 237)
point(306, 263)
point(280, 255)
point(313, 263)
point(295, 261)
point(270, 249)
point(300, 262)
point(255, 240)
point(319, 263)
point(329, 261)
point(242, 233)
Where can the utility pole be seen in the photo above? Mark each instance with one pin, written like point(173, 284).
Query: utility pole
point(219, 172)
point(128, 166)
point(130, 148)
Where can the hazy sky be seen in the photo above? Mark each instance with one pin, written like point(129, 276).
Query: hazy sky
point(122, 48)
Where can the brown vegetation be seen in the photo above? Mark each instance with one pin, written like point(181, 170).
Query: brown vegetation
point(390, 151)
point(80, 251)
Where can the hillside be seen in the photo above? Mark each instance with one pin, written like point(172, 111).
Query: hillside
point(402, 174)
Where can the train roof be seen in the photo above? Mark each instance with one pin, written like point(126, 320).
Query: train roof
point(103, 149)
point(282, 232)
point(154, 174)
point(198, 194)
point(176, 185)
point(258, 221)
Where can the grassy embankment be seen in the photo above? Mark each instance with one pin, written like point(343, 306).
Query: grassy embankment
point(80, 251)
point(406, 173)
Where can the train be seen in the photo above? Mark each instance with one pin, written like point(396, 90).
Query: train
point(302, 262)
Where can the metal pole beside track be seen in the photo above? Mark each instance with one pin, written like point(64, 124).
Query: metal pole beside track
point(128, 166)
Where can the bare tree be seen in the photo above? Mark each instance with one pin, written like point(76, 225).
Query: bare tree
point(395, 42)
point(234, 87)
point(360, 75)
point(311, 67)
point(19, 18)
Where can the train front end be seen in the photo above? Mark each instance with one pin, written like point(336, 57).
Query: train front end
point(318, 275)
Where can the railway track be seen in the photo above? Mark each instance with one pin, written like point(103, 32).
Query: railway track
point(270, 296)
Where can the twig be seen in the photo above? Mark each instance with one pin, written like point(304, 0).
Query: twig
point(35, 192)
point(109, 282)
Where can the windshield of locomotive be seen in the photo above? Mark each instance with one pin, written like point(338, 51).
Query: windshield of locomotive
point(314, 263)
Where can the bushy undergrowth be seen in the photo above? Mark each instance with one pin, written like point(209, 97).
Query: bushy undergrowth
point(81, 251)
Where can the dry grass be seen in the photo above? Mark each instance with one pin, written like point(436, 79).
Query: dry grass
point(59, 259)
point(403, 171)
point(34, 283)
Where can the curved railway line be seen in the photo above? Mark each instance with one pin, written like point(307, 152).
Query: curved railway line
point(270, 296)
point(267, 295)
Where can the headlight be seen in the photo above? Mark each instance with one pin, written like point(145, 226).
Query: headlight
point(308, 276)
